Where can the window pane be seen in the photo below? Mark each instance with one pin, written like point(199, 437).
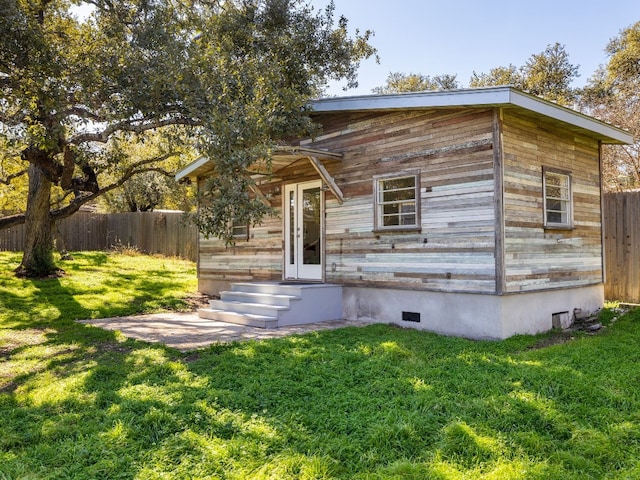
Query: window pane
point(391, 208)
point(311, 226)
point(408, 207)
point(564, 193)
point(553, 180)
point(406, 194)
point(396, 202)
point(554, 217)
point(553, 204)
point(408, 219)
point(389, 221)
point(554, 192)
point(397, 183)
point(557, 198)
point(292, 228)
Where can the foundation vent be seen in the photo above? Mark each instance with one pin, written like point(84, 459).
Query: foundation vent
point(410, 317)
point(560, 320)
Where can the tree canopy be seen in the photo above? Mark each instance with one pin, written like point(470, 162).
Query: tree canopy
point(398, 82)
point(235, 75)
point(548, 74)
point(613, 94)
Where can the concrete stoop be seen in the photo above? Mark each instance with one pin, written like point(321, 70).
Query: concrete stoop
point(272, 304)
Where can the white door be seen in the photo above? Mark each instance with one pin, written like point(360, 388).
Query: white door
point(303, 231)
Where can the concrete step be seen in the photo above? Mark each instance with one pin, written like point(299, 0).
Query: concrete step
point(247, 319)
point(271, 304)
point(271, 288)
point(244, 307)
point(262, 298)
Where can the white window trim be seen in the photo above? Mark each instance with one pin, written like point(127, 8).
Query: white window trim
point(557, 225)
point(377, 207)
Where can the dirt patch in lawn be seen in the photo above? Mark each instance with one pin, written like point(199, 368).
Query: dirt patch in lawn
point(556, 338)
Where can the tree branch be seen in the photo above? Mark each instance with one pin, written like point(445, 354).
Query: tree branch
point(74, 206)
point(11, 220)
point(13, 176)
point(133, 126)
point(82, 112)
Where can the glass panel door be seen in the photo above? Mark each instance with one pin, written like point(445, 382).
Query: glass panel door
point(303, 227)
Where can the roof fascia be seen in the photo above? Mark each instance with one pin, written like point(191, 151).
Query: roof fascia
point(191, 168)
point(571, 117)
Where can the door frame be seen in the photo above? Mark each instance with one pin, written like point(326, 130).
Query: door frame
point(291, 272)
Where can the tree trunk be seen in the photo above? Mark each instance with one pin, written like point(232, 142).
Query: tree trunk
point(37, 260)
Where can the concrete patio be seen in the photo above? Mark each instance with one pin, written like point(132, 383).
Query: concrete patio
point(187, 331)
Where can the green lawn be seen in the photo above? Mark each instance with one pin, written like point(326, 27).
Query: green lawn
point(374, 402)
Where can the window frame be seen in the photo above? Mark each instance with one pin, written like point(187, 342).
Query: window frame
point(242, 235)
point(378, 206)
point(568, 225)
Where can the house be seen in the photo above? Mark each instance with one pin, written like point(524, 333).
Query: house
point(474, 213)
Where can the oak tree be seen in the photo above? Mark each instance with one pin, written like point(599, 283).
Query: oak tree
point(75, 89)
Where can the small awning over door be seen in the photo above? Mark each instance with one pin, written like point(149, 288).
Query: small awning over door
point(281, 158)
point(287, 155)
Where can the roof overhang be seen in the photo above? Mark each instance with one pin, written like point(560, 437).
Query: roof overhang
point(505, 96)
point(195, 169)
point(281, 157)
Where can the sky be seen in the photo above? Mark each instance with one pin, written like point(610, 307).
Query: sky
point(459, 37)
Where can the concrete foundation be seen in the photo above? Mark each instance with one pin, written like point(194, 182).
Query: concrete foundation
point(469, 315)
point(213, 287)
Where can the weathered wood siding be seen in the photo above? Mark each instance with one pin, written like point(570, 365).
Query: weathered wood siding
point(455, 249)
point(461, 216)
point(453, 151)
point(537, 258)
point(259, 258)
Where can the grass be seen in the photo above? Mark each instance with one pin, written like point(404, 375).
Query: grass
point(364, 403)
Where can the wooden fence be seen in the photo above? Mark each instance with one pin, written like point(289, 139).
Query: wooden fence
point(165, 233)
point(622, 246)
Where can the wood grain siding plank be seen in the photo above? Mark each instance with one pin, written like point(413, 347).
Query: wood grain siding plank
point(498, 202)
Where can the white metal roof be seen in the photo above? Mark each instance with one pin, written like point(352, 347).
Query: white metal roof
point(193, 169)
point(504, 96)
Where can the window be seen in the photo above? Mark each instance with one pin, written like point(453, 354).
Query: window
point(240, 230)
point(557, 199)
point(397, 203)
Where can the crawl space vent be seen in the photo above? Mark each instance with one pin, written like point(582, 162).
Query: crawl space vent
point(410, 317)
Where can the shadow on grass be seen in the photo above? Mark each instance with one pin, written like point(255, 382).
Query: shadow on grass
point(373, 402)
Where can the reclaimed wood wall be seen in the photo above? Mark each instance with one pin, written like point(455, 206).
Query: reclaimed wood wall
point(538, 258)
point(454, 251)
point(259, 258)
point(467, 241)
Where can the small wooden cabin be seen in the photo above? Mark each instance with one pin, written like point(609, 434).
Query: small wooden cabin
point(474, 212)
